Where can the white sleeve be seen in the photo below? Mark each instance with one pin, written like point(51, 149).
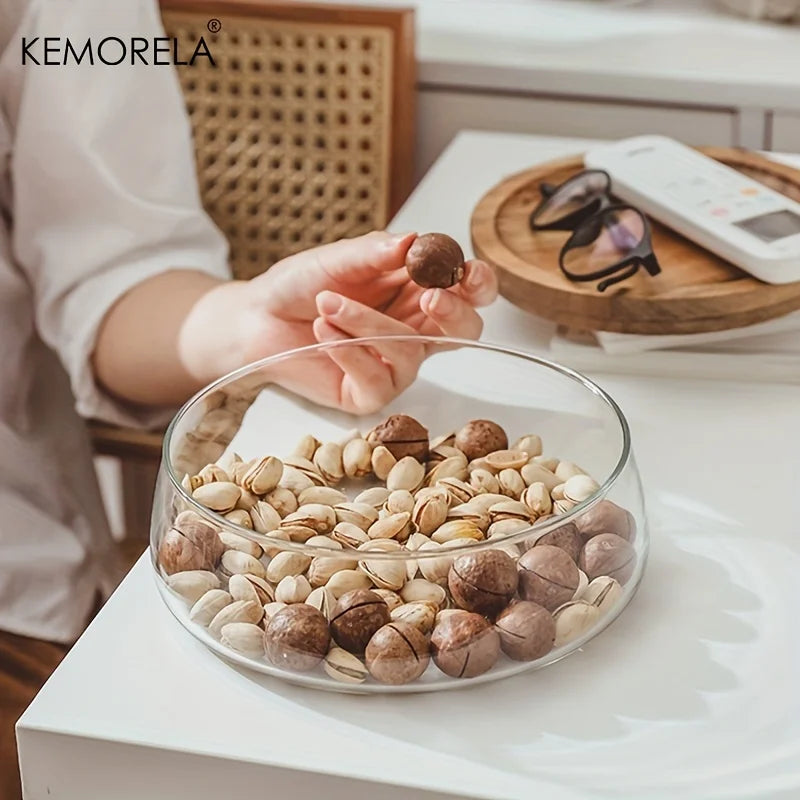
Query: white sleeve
point(104, 187)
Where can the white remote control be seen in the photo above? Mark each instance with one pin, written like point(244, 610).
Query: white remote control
point(737, 218)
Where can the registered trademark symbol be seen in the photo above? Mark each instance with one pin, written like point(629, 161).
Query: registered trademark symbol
point(214, 25)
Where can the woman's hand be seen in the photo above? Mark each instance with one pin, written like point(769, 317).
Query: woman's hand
point(351, 288)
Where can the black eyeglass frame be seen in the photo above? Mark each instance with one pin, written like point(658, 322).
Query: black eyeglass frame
point(641, 256)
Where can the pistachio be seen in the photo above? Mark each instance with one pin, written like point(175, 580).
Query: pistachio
point(580, 487)
point(420, 590)
point(416, 540)
point(392, 599)
point(537, 499)
point(344, 667)
point(434, 569)
point(192, 584)
point(429, 513)
point(536, 473)
point(271, 609)
point(441, 452)
point(212, 473)
point(323, 568)
point(306, 447)
point(509, 509)
point(484, 481)
point(250, 587)
point(566, 470)
point(547, 462)
point(395, 526)
point(457, 529)
point(247, 500)
point(382, 462)
point(506, 527)
point(292, 589)
point(347, 580)
point(359, 514)
point(297, 532)
point(264, 517)
point(530, 444)
point(236, 562)
point(263, 475)
point(421, 615)
point(511, 483)
point(324, 543)
point(375, 496)
point(349, 535)
point(447, 439)
point(324, 495)
point(219, 496)
point(209, 605)
point(286, 563)
point(296, 481)
point(557, 492)
point(470, 513)
point(233, 541)
point(190, 484)
point(282, 500)
point(603, 593)
point(481, 463)
point(237, 611)
point(563, 506)
point(502, 460)
point(316, 516)
point(357, 458)
point(328, 461)
point(458, 491)
point(452, 467)
point(399, 501)
point(583, 584)
point(385, 574)
point(407, 473)
point(228, 461)
point(573, 619)
point(281, 536)
point(486, 501)
point(243, 637)
point(239, 470)
point(323, 600)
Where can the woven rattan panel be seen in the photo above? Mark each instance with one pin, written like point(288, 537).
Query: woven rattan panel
point(291, 131)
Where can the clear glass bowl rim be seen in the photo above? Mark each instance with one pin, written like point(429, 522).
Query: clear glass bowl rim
point(404, 555)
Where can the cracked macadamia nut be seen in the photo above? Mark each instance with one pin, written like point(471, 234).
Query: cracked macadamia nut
point(465, 645)
point(608, 554)
point(547, 576)
point(480, 437)
point(190, 544)
point(297, 637)
point(567, 538)
point(435, 261)
point(398, 653)
point(606, 517)
point(357, 617)
point(527, 631)
point(402, 436)
point(483, 582)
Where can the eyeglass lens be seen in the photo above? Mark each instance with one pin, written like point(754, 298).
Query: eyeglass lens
point(604, 241)
point(572, 196)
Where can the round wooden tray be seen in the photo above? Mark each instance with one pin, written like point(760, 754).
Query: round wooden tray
point(695, 292)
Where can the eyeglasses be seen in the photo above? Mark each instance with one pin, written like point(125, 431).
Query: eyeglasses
point(609, 241)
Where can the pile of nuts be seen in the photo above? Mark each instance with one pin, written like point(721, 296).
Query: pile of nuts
point(374, 591)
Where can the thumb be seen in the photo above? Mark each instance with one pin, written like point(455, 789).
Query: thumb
point(351, 260)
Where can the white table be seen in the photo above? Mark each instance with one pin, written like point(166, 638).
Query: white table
point(692, 693)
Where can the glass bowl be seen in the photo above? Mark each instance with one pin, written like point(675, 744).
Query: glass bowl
point(460, 584)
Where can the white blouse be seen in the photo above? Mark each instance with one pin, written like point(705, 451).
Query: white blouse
point(97, 193)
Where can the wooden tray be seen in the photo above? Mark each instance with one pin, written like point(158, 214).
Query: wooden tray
point(696, 291)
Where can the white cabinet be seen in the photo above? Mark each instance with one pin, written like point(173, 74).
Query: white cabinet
point(442, 113)
point(785, 132)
